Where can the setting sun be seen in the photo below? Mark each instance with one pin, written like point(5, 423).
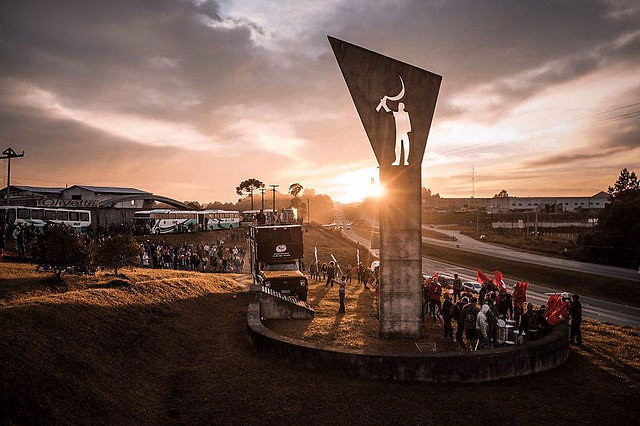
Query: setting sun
point(358, 185)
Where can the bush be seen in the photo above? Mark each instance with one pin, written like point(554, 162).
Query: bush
point(61, 249)
point(118, 252)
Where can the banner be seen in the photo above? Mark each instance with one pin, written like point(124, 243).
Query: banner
point(315, 252)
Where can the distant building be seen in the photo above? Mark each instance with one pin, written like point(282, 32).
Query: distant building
point(522, 204)
point(109, 205)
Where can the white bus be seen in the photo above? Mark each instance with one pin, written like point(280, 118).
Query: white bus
point(218, 219)
point(39, 217)
point(165, 221)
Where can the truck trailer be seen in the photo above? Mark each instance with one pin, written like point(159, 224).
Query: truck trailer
point(276, 259)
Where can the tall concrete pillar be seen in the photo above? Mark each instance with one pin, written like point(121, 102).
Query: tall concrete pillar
point(395, 102)
point(400, 253)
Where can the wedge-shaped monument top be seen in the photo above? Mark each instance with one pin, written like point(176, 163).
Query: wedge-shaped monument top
point(395, 102)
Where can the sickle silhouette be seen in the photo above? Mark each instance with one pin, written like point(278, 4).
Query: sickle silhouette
point(386, 98)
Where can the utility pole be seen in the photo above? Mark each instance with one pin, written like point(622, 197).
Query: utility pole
point(473, 182)
point(262, 191)
point(308, 210)
point(273, 188)
point(8, 154)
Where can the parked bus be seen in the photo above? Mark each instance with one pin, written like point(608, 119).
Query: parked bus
point(165, 221)
point(218, 219)
point(39, 217)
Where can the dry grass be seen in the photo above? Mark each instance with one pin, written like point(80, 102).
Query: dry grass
point(355, 329)
point(172, 348)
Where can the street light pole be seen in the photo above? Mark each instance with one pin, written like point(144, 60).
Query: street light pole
point(262, 191)
point(273, 188)
point(8, 154)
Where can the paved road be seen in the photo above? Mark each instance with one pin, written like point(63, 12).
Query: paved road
point(466, 243)
point(600, 310)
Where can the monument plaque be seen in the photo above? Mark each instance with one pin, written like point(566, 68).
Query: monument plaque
point(395, 102)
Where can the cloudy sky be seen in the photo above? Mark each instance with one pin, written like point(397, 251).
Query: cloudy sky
point(186, 98)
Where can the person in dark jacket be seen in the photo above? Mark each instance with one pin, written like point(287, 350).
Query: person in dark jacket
point(456, 313)
point(331, 274)
point(575, 311)
point(457, 288)
point(446, 316)
point(469, 315)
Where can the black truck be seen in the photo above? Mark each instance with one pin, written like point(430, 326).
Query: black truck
point(276, 259)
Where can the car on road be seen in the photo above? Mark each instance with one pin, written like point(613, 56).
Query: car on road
point(348, 226)
point(472, 286)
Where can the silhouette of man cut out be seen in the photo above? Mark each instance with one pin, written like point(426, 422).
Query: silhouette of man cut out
point(403, 128)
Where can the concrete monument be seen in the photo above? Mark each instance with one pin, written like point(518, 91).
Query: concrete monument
point(395, 102)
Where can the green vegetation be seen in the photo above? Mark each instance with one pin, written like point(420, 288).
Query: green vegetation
point(616, 239)
point(117, 252)
point(614, 289)
point(60, 249)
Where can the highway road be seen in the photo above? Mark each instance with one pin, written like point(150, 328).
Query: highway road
point(600, 310)
point(466, 243)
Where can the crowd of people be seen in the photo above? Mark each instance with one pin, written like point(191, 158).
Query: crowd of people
point(477, 316)
point(216, 256)
point(477, 319)
point(330, 271)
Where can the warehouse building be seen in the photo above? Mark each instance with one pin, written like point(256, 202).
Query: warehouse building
point(108, 205)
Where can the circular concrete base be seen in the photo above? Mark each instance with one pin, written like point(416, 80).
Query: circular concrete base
point(492, 364)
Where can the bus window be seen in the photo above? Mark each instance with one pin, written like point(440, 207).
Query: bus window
point(11, 215)
point(74, 216)
point(37, 214)
point(62, 215)
point(84, 216)
point(23, 214)
point(50, 214)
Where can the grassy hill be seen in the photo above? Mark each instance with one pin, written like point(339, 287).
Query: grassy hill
point(170, 346)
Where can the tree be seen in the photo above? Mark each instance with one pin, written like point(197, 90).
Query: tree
point(248, 186)
point(194, 205)
point(626, 185)
point(117, 252)
point(295, 189)
point(501, 194)
point(616, 238)
point(61, 249)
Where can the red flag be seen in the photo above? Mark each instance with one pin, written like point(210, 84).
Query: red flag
point(499, 281)
point(520, 293)
point(482, 278)
point(556, 309)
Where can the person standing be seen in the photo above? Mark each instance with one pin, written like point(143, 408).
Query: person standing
point(331, 274)
point(457, 288)
point(575, 311)
point(469, 316)
point(435, 291)
point(482, 326)
point(313, 268)
point(446, 316)
point(342, 293)
point(456, 313)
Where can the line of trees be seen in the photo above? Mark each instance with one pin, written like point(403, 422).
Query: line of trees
point(61, 250)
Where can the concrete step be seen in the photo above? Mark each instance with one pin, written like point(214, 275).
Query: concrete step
point(275, 305)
